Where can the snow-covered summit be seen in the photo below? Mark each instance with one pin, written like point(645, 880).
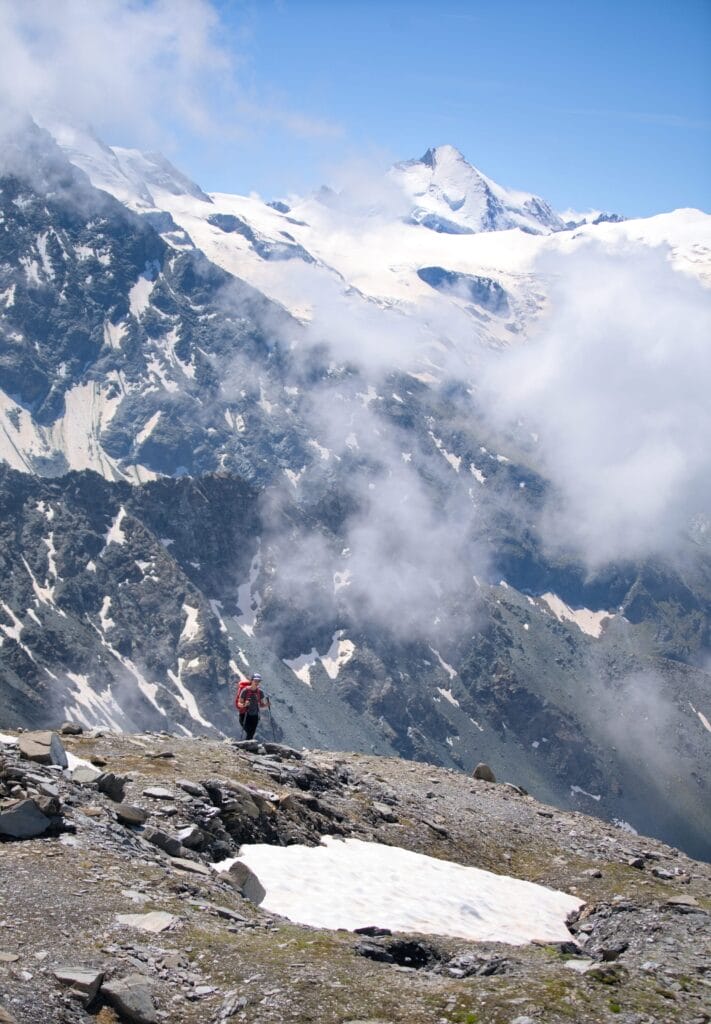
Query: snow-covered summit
point(449, 195)
point(134, 178)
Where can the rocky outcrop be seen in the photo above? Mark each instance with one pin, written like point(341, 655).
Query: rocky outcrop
point(179, 937)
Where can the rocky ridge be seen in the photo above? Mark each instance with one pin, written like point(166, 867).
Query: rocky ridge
point(111, 910)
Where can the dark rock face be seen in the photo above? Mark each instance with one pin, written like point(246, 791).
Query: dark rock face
point(481, 290)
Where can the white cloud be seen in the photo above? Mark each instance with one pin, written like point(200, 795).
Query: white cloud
point(615, 382)
point(139, 71)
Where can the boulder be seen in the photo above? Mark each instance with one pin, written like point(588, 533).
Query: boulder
point(243, 878)
point(23, 820)
point(113, 786)
point(132, 998)
point(71, 729)
point(193, 788)
point(43, 748)
point(484, 773)
point(167, 843)
point(81, 979)
point(129, 814)
point(6, 1017)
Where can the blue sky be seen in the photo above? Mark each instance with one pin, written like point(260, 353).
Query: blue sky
point(604, 104)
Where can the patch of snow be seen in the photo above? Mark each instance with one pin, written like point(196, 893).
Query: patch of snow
point(248, 598)
point(191, 627)
point(339, 653)
point(106, 622)
point(702, 718)
point(115, 534)
point(185, 698)
point(114, 334)
point(451, 672)
point(477, 473)
point(46, 510)
point(216, 607)
point(301, 666)
point(475, 723)
point(449, 696)
point(8, 741)
point(587, 621)
point(148, 428)
point(140, 295)
point(91, 708)
point(353, 883)
point(584, 792)
point(341, 579)
point(406, 456)
point(455, 461)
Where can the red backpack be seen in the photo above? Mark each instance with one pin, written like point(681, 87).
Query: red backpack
point(242, 685)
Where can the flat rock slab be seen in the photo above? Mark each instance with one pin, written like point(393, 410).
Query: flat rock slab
point(156, 921)
point(158, 793)
point(43, 748)
point(194, 866)
point(132, 998)
point(8, 958)
point(23, 820)
point(193, 788)
point(86, 981)
point(85, 775)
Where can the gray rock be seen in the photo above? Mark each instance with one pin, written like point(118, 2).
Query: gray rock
point(385, 812)
point(23, 820)
point(85, 775)
point(192, 837)
point(155, 921)
point(243, 878)
point(43, 748)
point(131, 997)
point(84, 980)
point(71, 729)
point(158, 793)
point(193, 788)
point(130, 814)
point(193, 866)
point(113, 786)
point(484, 773)
point(169, 844)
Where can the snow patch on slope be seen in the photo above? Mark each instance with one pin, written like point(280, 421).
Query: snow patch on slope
point(354, 883)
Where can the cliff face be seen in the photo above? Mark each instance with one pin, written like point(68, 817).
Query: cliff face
point(112, 906)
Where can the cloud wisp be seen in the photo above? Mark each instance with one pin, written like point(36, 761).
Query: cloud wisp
point(145, 72)
point(614, 380)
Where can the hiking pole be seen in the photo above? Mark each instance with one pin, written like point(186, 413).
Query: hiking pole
point(269, 709)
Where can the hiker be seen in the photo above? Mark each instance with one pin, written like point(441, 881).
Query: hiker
point(248, 701)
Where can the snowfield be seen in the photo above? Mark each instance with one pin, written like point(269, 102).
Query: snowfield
point(351, 884)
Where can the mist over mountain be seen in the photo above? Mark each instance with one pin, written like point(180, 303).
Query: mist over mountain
point(429, 459)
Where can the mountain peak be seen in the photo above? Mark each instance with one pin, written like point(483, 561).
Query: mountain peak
point(450, 195)
point(437, 155)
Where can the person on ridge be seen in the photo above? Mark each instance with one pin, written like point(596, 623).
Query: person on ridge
point(250, 699)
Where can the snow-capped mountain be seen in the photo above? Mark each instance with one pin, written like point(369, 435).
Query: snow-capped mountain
point(350, 519)
point(449, 195)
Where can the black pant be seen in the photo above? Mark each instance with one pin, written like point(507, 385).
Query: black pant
point(249, 723)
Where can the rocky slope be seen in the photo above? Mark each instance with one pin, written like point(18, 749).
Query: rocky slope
point(112, 912)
